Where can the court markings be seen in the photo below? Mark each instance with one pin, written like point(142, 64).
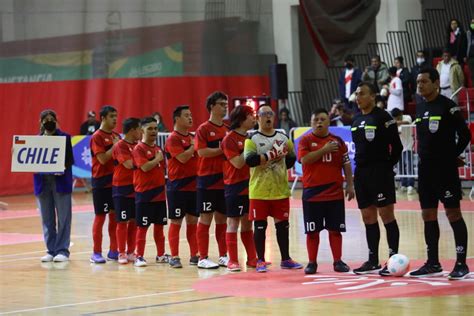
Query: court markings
point(94, 302)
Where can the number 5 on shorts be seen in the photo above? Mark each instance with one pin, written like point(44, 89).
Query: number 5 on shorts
point(145, 220)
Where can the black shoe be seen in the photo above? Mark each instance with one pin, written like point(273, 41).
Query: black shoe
point(460, 271)
point(175, 262)
point(367, 267)
point(311, 268)
point(384, 271)
point(194, 260)
point(428, 269)
point(341, 266)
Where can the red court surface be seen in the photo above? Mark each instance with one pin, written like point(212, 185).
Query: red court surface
point(326, 284)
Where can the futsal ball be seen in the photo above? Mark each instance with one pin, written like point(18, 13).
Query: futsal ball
point(398, 265)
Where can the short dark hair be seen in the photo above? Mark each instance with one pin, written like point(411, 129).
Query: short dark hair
point(213, 97)
point(370, 85)
point(148, 120)
point(238, 115)
point(400, 59)
point(286, 111)
point(446, 50)
point(432, 73)
point(319, 111)
point(130, 123)
point(47, 112)
point(421, 51)
point(396, 112)
point(376, 57)
point(392, 71)
point(178, 110)
point(349, 58)
point(105, 110)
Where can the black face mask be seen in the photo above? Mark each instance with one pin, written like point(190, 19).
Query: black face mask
point(50, 126)
point(349, 66)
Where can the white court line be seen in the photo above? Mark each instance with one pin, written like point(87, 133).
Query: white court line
point(94, 302)
point(31, 252)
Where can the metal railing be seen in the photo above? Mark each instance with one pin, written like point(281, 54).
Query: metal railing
point(459, 9)
point(299, 112)
point(400, 45)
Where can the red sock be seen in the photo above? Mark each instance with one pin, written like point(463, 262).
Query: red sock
point(132, 233)
point(159, 237)
point(99, 220)
point(173, 239)
point(202, 234)
point(335, 241)
point(249, 244)
point(192, 239)
point(141, 241)
point(312, 245)
point(112, 231)
point(121, 233)
point(231, 241)
point(220, 237)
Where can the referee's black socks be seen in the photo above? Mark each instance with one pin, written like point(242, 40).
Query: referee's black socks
point(393, 237)
point(372, 232)
point(460, 238)
point(259, 238)
point(432, 240)
point(282, 232)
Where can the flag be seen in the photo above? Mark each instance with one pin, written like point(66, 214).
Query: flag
point(19, 141)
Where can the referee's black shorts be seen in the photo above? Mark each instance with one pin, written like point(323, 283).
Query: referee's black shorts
point(439, 181)
point(374, 185)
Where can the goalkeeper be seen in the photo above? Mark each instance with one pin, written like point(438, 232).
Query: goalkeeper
point(269, 153)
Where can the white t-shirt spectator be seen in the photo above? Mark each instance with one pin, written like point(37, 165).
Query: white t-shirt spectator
point(406, 133)
point(395, 99)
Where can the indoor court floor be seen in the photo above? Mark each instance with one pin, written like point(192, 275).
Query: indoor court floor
point(29, 287)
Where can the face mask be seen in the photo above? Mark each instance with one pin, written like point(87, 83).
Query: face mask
point(420, 60)
point(49, 126)
point(349, 66)
point(472, 26)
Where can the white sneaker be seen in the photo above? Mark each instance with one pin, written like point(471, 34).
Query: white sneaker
point(131, 257)
point(163, 259)
point(223, 261)
point(410, 190)
point(140, 262)
point(60, 258)
point(403, 189)
point(47, 258)
point(207, 264)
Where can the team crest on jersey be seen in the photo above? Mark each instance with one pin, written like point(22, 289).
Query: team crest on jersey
point(183, 141)
point(433, 126)
point(314, 144)
point(212, 133)
point(107, 140)
point(369, 134)
point(148, 152)
point(240, 143)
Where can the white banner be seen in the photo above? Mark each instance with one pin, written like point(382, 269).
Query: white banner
point(38, 154)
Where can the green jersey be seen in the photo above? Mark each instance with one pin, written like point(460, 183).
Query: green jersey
point(270, 180)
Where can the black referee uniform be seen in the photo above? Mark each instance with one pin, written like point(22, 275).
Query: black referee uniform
point(378, 149)
point(442, 136)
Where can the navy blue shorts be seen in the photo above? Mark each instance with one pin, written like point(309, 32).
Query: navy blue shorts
point(181, 203)
point(103, 201)
point(151, 213)
point(237, 205)
point(328, 215)
point(210, 201)
point(124, 208)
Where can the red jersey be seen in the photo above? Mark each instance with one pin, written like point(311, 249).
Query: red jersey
point(149, 186)
point(122, 182)
point(236, 180)
point(210, 170)
point(322, 179)
point(181, 177)
point(102, 174)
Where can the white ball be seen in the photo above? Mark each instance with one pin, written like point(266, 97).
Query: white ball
point(398, 265)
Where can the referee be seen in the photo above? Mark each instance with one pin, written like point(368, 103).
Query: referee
point(438, 124)
point(378, 149)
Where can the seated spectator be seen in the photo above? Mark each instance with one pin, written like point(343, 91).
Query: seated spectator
point(395, 99)
point(376, 73)
point(349, 78)
point(456, 41)
point(285, 122)
point(404, 74)
point(380, 101)
point(451, 77)
point(339, 115)
point(161, 125)
point(89, 126)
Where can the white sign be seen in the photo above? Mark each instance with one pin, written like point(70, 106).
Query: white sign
point(38, 154)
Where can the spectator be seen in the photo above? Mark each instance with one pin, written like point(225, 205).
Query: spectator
point(406, 163)
point(395, 99)
point(404, 74)
point(350, 77)
point(285, 122)
point(376, 73)
point(89, 126)
point(455, 41)
point(470, 49)
point(380, 101)
point(451, 76)
point(161, 125)
point(420, 64)
point(339, 115)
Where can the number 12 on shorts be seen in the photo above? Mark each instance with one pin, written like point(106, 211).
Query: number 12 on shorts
point(206, 206)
